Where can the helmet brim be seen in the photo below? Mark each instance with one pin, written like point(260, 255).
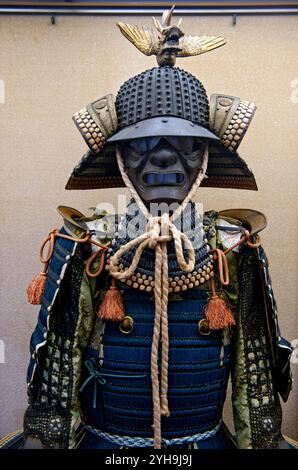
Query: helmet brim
point(166, 126)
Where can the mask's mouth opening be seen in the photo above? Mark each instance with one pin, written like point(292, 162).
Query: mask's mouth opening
point(163, 179)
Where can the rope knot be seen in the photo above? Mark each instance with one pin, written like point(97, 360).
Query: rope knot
point(158, 229)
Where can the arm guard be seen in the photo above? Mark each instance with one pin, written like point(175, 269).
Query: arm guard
point(58, 342)
point(261, 367)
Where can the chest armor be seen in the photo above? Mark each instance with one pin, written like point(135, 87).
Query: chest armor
point(116, 393)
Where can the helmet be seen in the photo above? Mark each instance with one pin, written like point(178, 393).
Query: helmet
point(164, 101)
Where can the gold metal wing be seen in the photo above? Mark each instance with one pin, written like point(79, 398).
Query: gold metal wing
point(195, 45)
point(142, 39)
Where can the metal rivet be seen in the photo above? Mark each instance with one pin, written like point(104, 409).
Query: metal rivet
point(126, 325)
point(203, 326)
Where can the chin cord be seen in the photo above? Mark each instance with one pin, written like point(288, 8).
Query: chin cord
point(160, 230)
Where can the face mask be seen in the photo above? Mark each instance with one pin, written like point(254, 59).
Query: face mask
point(163, 169)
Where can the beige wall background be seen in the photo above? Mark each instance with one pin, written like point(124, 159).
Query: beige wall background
point(49, 72)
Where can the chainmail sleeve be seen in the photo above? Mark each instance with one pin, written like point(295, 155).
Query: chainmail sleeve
point(256, 406)
point(66, 319)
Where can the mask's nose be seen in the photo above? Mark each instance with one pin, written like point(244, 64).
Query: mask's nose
point(163, 155)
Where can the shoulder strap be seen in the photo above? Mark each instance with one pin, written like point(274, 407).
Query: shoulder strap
point(254, 221)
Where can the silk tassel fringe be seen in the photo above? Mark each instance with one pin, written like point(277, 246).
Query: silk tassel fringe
point(217, 313)
point(112, 307)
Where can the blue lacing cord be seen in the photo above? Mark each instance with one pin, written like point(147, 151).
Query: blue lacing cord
point(98, 377)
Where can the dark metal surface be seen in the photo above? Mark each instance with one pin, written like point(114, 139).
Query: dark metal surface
point(163, 126)
point(162, 91)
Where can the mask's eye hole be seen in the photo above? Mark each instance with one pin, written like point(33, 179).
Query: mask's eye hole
point(143, 146)
point(139, 146)
point(197, 145)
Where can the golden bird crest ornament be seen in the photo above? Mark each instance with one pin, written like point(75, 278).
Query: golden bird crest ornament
point(170, 42)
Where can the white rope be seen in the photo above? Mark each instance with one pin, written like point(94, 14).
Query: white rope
point(160, 230)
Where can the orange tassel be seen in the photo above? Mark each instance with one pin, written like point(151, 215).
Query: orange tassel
point(217, 313)
point(36, 289)
point(112, 307)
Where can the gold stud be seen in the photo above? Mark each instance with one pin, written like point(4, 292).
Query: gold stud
point(126, 325)
point(203, 326)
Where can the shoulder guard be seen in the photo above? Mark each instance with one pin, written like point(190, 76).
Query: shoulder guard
point(227, 226)
point(76, 224)
point(74, 221)
point(253, 221)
